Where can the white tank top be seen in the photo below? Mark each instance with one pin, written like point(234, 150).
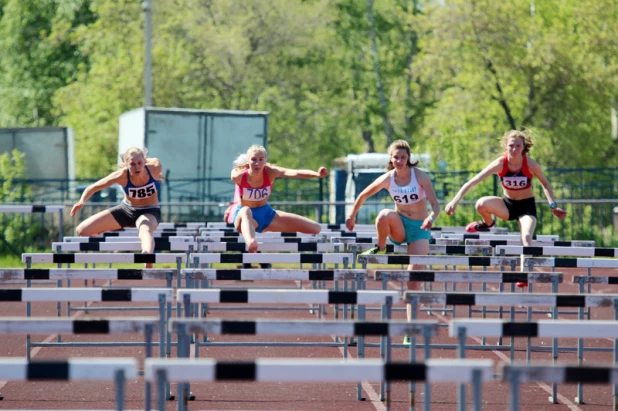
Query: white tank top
point(408, 194)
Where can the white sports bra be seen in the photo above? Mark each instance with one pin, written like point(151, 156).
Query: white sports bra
point(408, 194)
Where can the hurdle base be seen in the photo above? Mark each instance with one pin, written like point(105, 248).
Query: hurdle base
point(577, 401)
point(551, 399)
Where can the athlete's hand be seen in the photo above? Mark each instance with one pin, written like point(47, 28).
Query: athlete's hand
point(558, 212)
point(322, 172)
point(450, 207)
point(76, 208)
point(349, 223)
point(427, 224)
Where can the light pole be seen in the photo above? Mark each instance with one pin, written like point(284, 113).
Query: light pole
point(147, 5)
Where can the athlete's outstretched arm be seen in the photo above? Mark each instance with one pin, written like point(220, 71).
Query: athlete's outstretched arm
point(493, 168)
point(105, 182)
point(535, 168)
point(280, 172)
point(378, 184)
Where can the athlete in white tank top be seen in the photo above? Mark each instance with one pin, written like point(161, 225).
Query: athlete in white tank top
point(410, 193)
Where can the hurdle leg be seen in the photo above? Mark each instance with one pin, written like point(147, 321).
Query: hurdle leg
point(580, 352)
point(514, 378)
point(162, 388)
point(386, 315)
point(148, 385)
point(477, 386)
point(554, 350)
point(412, 385)
point(461, 388)
point(427, 355)
point(119, 380)
point(615, 387)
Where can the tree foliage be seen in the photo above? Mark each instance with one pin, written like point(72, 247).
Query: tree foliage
point(336, 76)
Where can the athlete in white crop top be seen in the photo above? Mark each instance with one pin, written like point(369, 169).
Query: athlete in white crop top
point(410, 222)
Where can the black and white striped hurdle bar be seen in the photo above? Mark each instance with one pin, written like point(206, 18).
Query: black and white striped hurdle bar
point(274, 247)
point(566, 262)
point(215, 258)
point(482, 236)
point(73, 369)
point(433, 249)
point(551, 251)
point(274, 274)
point(527, 300)
point(176, 226)
point(219, 225)
point(542, 328)
point(319, 370)
point(31, 208)
point(438, 260)
point(234, 233)
point(535, 243)
point(288, 296)
point(262, 240)
point(84, 294)
point(85, 258)
point(123, 246)
point(155, 234)
point(469, 276)
point(54, 325)
point(83, 274)
point(584, 279)
point(126, 239)
point(560, 373)
point(305, 327)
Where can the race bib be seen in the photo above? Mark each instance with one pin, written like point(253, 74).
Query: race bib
point(515, 182)
point(256, 194)
point(142, 192)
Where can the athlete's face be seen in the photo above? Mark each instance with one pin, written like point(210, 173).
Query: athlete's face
point(136, 164)
point(257, 160)
point(515, 146)
point(399, 158)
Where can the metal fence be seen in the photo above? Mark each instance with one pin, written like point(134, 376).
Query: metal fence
point(586, 220)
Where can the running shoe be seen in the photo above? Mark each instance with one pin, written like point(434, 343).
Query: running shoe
point(374, 250)
point(406, 340)
point(479, 226)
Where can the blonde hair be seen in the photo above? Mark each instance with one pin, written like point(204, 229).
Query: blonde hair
point(525, 135)
point(245, 163)
point(130, 152)
point(241, 160)
point(399, 145)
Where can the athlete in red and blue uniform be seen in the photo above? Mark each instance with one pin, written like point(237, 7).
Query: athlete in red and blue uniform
point(254, 181)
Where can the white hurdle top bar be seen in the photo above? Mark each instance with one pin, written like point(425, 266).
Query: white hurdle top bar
point(84, 258)
point(438, 260)
point(319, 370)
point(542, 328)
point(469, 276)
point(560, 373)
point(73, 369)
point(306, 327)
point(54, 325)
point(212, 258)
point(31, 208)
point(274, 274)
point(83, 274)
point(527, 300)
point(83, 294)
point(288, 296)
point(564, 251)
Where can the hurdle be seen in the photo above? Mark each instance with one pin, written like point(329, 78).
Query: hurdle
point(535, 243)
point(107, 326)
point(560, 251)
point(186, 246)
point(433, 249)
point(193, 370)
point(273, 247)
point(35, 208)
point(464, 236)
point(275, 258)
point(385, 329)
point(220, 225)
point(249, 296)
point(261, 240)
point(542, 328)
point(102, 239)
point(527, 300)
point(557, 373)
point(73, 369)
